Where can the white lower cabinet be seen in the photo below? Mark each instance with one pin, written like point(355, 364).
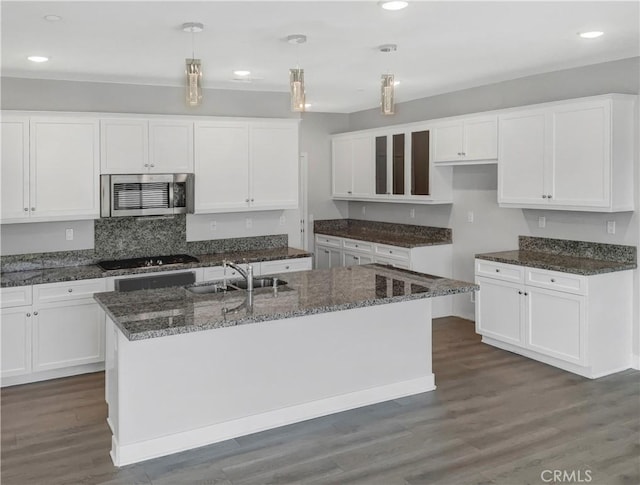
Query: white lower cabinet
point(333, 251)
point(578, 323)
point(51, 330)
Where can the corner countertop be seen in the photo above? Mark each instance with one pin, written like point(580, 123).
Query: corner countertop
point(558, 262)
point(149, 314)
point(91, 271)
point(392, 234)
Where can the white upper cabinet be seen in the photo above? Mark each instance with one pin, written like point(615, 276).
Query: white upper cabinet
point(353, 163)
point(244, 166)
point(274, 165)
point(471, 140)
point(146, 146)
point(50, 169)
point(574, 155)
point(14, 178)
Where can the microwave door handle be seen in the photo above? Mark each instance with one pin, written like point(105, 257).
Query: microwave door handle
point(171, 206)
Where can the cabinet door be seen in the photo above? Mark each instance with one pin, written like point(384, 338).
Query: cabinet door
point(274, 166)
point(481, 139)
point(581, 157)
point(15, 338)
point(64, 168)
point(124, 146)
point(15, 168)
point(420, 162)
point(68, 334)
point(556, 324)
point(499, 310)
point(522, 158)
point(447, 141)
point(362, 165)
point(341, 157)
point(381, 165)
point(221, 167)
point(397, 170)
point(327, 257)
point(170, 146)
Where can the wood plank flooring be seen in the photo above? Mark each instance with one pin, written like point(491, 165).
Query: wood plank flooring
point(495, 418)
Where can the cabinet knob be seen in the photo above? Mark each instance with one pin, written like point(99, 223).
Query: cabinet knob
point(526, 294)
point(286, 267)
point(356, 245)
point(246, 200)
point(146, 164)
point(548, 196)
point(553, 280)
point(26, 209)
point(326, 251)
point(252, 200)
point(497, 270)
point(349, 192)
point(459, 153)
point(390, 252)
point(28, 314)
point(35, 313)
point(544, 196)
point(519, 293)
point(70, 290)
point(152, 165)
point(463, 154)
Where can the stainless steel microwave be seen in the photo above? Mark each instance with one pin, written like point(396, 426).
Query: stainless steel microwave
point(146, 194)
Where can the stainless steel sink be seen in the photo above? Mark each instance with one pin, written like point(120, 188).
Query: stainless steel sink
point(260, 283)
point(210, 288)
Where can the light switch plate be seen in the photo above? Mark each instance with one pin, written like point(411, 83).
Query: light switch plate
point(611, 227)
point(249, 222)
point(69, 234)
point(470, 216)
point(542, 221)
point(412, 213)
point(213, 225)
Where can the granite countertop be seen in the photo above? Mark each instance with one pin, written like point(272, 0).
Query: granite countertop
point(401, 235)
point(148, 314)
point(91, 271)
point(558, 262)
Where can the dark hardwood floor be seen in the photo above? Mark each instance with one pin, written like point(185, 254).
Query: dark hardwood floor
point(495, 418)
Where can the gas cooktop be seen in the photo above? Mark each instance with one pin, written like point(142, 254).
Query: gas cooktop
point(146, 262)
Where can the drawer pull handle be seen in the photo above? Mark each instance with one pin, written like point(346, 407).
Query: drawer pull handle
point(553, 280)
point(28, 314)
point(70, 290)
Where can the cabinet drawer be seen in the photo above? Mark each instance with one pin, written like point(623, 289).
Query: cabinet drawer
point(501, 271)
point(72, 290)
point(355, 245)
point(15, 296)
point(285, 265)
point(217, 272)
point(334, 242)
point(555, 280)
point(391, 252)
point(393, 262)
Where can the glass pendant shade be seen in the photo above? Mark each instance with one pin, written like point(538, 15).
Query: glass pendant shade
point(386, 94)
point(296, 86)
point(194, 82)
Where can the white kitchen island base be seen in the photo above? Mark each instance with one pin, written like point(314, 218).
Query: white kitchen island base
point(178, 392)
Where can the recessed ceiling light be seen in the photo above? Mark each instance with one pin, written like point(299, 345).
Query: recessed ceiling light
point(52, 18)
point(590, 35)
point(241, 72)
point(394, 5)
point(38, 58)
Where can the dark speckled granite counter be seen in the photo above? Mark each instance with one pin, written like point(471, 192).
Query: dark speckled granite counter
point(577, 257)
point(156, 313)
point(401, 235)
point(90, 271)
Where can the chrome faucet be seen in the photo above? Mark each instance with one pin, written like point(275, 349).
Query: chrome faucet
point(247, 275)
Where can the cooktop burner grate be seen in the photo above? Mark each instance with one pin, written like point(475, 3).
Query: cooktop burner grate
point(146, 262)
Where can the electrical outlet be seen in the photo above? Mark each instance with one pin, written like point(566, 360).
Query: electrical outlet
point(213, 226)
point(473, 296)
point(611, 227)
point(248, 222)
point(69, 234)
point(542, 221)
point(364, 209)
point(412, 213)
point(470, 216)
point(283, 220)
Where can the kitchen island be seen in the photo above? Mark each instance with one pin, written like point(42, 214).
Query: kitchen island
point(187, 369)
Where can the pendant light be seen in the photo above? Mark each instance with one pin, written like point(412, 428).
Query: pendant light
point(193, 68)
point(296, 78)
point(387, 85)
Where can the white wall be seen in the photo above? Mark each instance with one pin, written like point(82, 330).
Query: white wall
point(494, 228)
point(45, 95)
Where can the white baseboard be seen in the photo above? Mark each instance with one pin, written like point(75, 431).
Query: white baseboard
point(145, 450)
point(52, 374)
point(635, 361)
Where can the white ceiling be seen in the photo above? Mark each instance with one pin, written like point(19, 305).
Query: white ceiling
point(442, 46)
